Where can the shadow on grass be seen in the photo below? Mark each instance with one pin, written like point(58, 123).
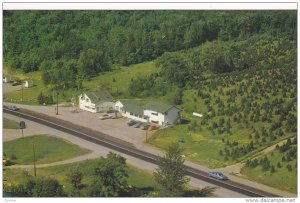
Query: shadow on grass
point(136, 192)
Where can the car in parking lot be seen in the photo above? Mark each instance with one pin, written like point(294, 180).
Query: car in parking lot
point(17, 82)
point(218, 175)
point(145, 126)
point(138, 124)
point(131, 122)
point(105, 116)
point(13, 108)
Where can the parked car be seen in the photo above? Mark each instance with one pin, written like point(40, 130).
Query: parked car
point(152, 127)
point(218, 175)
point(145, 126)
point(138, 124)
point(131, 122)
point(13, 108)
point(105, 116)
point(17, 82)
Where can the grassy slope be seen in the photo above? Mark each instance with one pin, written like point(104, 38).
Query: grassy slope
point(122, 78)
point(48, 149)
point(202, 146)
point(10, 124)
point(281, 178)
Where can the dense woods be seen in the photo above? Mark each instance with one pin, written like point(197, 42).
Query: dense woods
point(69, 46)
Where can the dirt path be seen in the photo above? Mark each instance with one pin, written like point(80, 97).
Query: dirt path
point(235, 169)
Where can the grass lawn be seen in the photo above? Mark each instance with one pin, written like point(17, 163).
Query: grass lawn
point(137, 178)
point(197, 147)
point(48, 149)
point(115, 81)
point(119, 80)
point(281, 178)
point(29, 94)
point(10, 124)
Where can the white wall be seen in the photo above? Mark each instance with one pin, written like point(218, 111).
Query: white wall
point(118, 106)
point(28, 83)
point(85, 103)
point(6, 79)
point(160, 118)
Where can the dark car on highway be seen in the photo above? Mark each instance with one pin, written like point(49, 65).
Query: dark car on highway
point(218, 175)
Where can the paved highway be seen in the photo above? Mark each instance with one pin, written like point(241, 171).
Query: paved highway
point(123, 147)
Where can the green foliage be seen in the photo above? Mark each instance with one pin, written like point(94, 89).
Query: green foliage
point(84, 43)
point(38, 187)
point(45, 99)
point(110, 177)
point(74, 177)
point(171, 172)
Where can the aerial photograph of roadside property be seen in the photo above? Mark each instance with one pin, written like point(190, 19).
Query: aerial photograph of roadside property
point(150, 103)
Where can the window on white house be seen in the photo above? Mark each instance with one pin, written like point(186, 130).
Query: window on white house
point(87, 100)
point(155, 114)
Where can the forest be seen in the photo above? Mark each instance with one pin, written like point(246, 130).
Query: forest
point(70, 46)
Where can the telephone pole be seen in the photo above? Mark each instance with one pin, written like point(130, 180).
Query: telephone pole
point(34, 160)
point(57, 103)
point(22, 90)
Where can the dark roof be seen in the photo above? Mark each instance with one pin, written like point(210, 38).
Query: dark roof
point(132, 107)
point(158, 107)
point(98, 96)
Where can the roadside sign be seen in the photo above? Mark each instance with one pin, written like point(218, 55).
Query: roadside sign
point(22, 125)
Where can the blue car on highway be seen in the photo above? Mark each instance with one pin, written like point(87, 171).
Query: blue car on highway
point(218, 175)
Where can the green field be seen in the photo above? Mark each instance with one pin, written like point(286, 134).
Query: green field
point(116, 81)
point(119, 79)
point(137, 178)
point(281, 178)
point(10, 124)
point(48, 149)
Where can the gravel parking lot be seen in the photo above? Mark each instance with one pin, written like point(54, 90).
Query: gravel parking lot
point(7, 87)
point(113, 127)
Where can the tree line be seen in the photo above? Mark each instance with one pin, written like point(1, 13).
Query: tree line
point(69, 46)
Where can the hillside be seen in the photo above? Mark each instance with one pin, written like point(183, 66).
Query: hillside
point(237, 68)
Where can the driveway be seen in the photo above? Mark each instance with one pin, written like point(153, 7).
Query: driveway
point(7, 87)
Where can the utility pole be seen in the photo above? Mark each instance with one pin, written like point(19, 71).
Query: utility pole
point(34, 160)
point(22, 90)
point(57, 103)
point(146, 135)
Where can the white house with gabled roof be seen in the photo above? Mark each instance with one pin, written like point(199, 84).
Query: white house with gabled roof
point(161, 114)
point(96, 101)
